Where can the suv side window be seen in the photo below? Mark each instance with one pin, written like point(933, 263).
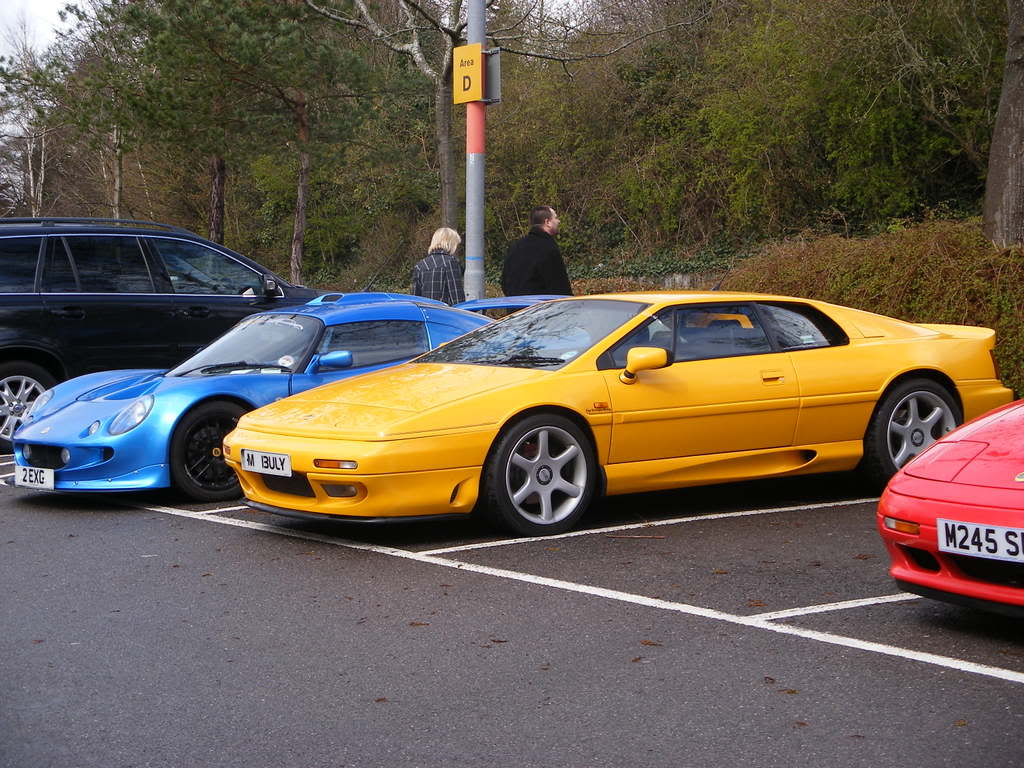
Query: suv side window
point(58, 273)
point(376, 341)
point(18, 259)
point(196, 269)
point(110, 264)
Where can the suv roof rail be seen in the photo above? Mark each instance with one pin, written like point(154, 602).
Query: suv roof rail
point(47, 221)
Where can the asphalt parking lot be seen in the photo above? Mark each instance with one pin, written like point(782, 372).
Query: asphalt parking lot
point(749, 623)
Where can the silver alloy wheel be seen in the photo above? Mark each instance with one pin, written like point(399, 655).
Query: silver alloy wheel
point(546, 475)
point(917, 421)
point(17, 393)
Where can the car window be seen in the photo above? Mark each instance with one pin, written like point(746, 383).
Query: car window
point(194, 268)
point(18, 259)
point(258, 341)
point(798, 326)
point(656, 332)
point(376, 341)
point(110, 264)
point(547, 335)
point(718, 331)
point(58, 274)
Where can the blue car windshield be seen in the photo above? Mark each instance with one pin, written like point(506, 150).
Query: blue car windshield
point(546, 335)
point(272, 343)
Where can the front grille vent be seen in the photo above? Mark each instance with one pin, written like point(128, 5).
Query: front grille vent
point(44, 456)
point(993, 571)
point(296, 485)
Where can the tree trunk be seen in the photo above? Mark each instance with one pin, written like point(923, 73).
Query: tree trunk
point(299, 230)
point(118, 192)
point(445, 154)
point(1004, 187)
point(218, 176)
point(37, 198)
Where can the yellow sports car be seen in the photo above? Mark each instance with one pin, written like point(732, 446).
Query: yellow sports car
point(529, 419)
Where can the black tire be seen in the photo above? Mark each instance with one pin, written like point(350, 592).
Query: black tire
point(21, 382)
point(540, 477)
point(910, 417)
point(198, 469)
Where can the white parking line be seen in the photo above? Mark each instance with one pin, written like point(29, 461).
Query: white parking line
point(840, 606)
point(754, 622)
point(194, 513)
point(652, 524)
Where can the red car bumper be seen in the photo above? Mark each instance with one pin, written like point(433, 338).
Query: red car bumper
point(921, 567)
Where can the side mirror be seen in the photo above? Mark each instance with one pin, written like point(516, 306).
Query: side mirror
point(269, 286)
point(341, 358)
point(642, 359)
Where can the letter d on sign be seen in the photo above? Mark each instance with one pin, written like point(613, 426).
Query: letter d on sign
point(467, 82)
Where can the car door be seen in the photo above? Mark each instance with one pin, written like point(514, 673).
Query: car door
point(373, 343)
point(209, 291)
point(839, 381)
point(23, 319)
point(102, 305)
point(726, 389)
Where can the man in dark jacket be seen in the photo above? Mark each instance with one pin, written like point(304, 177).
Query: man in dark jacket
point(533, 263)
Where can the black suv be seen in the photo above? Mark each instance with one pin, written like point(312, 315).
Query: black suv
point(82, 295)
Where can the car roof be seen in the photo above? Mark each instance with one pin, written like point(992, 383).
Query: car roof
point(507, 302)
point(661, 297)
point(337, 308)
point(66, 224)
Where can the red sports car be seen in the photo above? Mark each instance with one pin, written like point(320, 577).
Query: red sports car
point(953, 518)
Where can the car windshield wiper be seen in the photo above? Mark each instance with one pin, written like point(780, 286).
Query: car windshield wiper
point(519, 360)
point(214, 367)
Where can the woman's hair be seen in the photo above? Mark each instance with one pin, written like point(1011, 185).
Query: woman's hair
point(445, 239)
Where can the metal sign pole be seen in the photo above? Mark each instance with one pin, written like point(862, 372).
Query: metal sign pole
point(476, 115)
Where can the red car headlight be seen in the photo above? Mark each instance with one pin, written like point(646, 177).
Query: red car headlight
point(944, 460)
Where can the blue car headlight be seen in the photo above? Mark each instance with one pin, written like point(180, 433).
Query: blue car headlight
point(130, 417)
point(38, 404)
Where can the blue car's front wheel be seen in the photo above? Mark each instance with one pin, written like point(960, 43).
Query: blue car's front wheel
point(198, 468)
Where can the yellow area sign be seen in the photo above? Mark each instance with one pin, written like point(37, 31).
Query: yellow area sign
point(468, 73)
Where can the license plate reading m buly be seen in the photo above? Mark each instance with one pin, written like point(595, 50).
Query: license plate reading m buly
point(267, 463)
point(994, 542)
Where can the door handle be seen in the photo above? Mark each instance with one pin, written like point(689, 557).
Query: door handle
point(197, 312)
point(773, 377)
point(73, 313)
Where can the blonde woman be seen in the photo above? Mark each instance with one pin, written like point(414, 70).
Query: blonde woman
point(439, 274)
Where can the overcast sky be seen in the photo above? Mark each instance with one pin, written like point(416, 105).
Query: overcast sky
point(40, 16)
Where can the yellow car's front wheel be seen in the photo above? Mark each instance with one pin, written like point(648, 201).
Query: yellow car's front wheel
point(541, 476)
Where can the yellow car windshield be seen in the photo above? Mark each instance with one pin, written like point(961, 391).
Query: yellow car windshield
point(546, 335)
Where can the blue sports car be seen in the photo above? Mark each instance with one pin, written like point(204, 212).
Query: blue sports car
point(135, 430)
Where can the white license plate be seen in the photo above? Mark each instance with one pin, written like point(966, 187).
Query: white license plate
point(992, 541)
point(33, 477)
point(267, 463)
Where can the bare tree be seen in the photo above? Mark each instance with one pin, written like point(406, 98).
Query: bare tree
point(427, 31)
point(23, 134)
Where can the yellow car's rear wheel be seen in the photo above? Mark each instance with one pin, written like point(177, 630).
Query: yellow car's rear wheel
point(540, 477)
point(910, 417)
